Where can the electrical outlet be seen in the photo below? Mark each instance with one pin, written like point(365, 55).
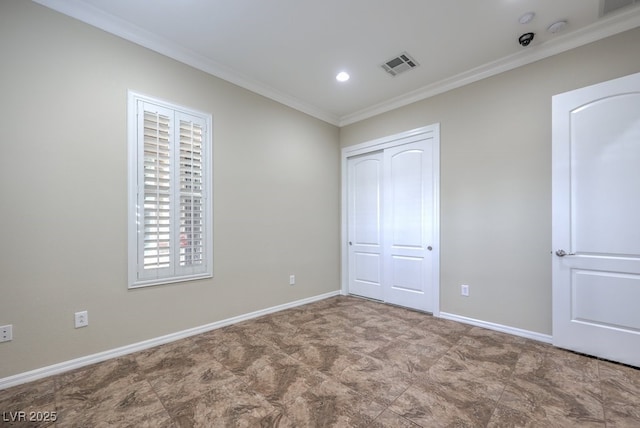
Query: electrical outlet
point(464, 290)
point(6, 333)
point(82, 319)
point(292, 280)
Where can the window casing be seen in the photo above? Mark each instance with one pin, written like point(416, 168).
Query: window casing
point(170, 227)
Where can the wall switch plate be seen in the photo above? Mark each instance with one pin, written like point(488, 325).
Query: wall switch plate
point(464, 290)
point(292, 280)
point(82, 319)
point(6, 333)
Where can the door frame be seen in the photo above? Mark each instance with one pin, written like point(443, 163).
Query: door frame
point(430, 131)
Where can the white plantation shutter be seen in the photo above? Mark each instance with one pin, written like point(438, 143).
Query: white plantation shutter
point(191, 195)
point(171, 217)
point(156, 191)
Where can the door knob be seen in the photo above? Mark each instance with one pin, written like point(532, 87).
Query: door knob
point(562, 253)
point(350, 243)
point(429, 248)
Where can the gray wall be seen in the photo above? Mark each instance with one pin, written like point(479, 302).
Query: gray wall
point(63, 167)
point(496, 178)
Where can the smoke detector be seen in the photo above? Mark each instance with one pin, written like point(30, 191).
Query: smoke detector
point(527, 18)
point(399, 64)
point(556, 27)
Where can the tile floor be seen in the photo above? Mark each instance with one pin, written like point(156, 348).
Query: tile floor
point(340, 362)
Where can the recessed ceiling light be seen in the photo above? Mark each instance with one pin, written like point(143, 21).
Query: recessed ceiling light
point(527, 18)
point(342, 76)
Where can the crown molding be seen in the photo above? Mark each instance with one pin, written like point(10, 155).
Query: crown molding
point(600, 29)
point(604, 27)
point(124, 29)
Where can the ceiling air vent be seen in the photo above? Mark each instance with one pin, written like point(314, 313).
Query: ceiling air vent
point(608, 6)
point(399, 64)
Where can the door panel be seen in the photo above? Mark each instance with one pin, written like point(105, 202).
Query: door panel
point(596, 220)
point(366, 200)
point(405, 202)
point(599, 299)
point(605, 162)
point(367, 267)
point(407, 274)
point(365, 222)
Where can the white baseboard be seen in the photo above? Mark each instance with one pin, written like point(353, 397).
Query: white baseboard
point(76, 363)
point(499, 327)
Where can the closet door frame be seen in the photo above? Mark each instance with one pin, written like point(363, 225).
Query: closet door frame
point(427, 132)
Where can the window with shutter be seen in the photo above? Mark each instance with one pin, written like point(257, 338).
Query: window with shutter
point(169, 193)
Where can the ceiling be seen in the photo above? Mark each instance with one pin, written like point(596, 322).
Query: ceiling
point(291, 50)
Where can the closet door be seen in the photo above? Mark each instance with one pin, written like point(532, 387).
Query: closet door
point(408, 225)
point(391, 222)
point(365, 225)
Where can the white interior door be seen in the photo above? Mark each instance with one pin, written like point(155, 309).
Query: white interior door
point(596, 220)
point(365, 225)
point(408, 219)
point(392, 220)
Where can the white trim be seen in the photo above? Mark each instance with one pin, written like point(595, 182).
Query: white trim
point(95, 17)
point(604, 27)
point(546, 338)
point(436, 220)
point(430, 131)
point(134, 177)
point(389, 141)
point(76, 363)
